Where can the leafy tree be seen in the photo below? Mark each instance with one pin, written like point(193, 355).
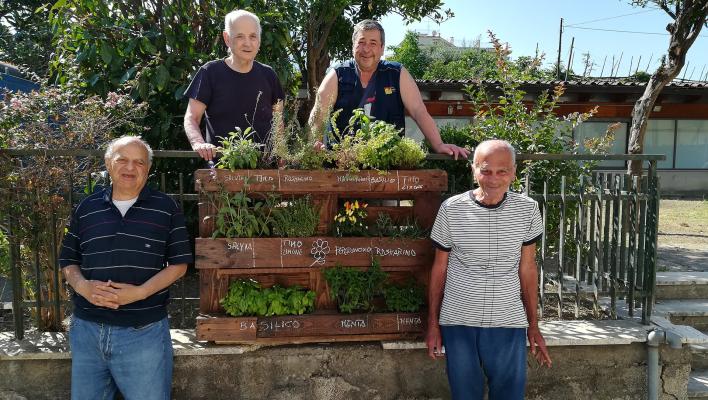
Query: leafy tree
point(410, 55)
point(443, 62)
point(689, 17)
point(25, 34)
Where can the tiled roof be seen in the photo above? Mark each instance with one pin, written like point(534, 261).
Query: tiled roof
point(450, 84)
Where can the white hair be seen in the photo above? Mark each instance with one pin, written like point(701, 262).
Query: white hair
point(496, 142)
point(231, 17)
point(123, 140)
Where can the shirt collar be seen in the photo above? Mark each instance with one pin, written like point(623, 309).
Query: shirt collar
point(490, 206)
point(108, 193)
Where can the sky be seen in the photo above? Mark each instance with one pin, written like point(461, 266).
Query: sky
point(524, 24)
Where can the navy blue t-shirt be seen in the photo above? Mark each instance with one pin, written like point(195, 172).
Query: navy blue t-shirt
point(235, 99)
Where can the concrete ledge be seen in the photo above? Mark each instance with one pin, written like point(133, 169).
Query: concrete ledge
point(55, 345)
point(591, 360)
point(681, 278)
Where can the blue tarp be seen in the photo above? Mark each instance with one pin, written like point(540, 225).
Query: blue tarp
point(14, 84)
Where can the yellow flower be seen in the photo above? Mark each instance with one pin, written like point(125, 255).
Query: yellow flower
point(356, 203)
point(352, 219)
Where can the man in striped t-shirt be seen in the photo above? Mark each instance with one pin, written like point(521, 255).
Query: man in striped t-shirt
point(125, 246)
point(484, 282)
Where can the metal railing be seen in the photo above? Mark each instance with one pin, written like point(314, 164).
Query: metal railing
point(599, 238)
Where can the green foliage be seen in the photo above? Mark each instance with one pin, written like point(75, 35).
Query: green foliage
point(4, 255)
point(239, 151)
point(408, 229)
point(410, 55)
point(239, 215)
point(355, 289)
point(299, 218)
point(32, 192)
point(248, 298)
point(476, 63)
point(293, 146)
point(375, 145)
point(641, 76)
point(26, 35)
point(407, 298)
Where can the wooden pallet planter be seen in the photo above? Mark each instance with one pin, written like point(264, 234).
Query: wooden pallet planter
point(300, 261)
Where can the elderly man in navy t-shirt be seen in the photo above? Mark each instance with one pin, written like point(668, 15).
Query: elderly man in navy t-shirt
point(126, 244)
point(234, 92)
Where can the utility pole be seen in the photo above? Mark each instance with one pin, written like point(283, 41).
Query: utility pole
point(570, 58)
point(560, 41)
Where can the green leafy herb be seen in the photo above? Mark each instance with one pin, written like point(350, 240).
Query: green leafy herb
point(239, 151)
point(299, 218)
point(407, 298)
point(248, 298)
point(355, 289)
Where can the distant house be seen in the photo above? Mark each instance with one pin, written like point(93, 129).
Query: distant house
point(435, 43)
point(678, 124)
point(11, 80)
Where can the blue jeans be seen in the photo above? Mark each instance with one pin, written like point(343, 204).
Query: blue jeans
point(473, 353)
point(106, 358)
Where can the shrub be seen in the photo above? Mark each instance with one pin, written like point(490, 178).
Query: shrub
point(33, 189)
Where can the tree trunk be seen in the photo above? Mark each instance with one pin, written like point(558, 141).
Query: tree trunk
point(689, 18)
point(640, 115)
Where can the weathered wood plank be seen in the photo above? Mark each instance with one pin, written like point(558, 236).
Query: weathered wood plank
point(310, 252)
point(312, 325)
point(325, 181)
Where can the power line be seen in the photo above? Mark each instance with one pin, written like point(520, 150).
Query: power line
point(615, 30)
point(609, 18)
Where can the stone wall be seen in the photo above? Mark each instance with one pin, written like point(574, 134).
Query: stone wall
point(365, 371)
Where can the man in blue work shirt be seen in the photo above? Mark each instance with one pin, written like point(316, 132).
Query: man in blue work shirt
point(125, 246)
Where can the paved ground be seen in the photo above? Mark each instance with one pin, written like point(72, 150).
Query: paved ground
point(675, 258)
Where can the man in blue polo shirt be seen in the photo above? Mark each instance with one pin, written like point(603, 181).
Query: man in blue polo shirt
point(125, 246)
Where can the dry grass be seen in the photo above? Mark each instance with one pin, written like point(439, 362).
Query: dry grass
point(683, 223)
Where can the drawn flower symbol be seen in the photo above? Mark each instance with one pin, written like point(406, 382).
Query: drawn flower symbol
point(320, 249)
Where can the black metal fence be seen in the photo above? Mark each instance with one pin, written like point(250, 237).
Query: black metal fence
point(599, 240)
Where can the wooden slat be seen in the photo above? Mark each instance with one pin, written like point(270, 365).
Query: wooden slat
point(325, 181)
point(310, 252)
point(310, 325)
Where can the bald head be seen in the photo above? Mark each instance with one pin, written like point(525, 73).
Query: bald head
point(116, 144)
point(494, 146)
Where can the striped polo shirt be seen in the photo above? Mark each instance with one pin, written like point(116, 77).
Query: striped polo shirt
point(130, 249)
point(482, 286)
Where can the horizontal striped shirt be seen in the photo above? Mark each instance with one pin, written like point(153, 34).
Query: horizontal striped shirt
point(127, 249)
point(482, 287)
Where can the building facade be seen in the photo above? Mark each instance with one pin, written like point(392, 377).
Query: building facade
point(678, 124)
